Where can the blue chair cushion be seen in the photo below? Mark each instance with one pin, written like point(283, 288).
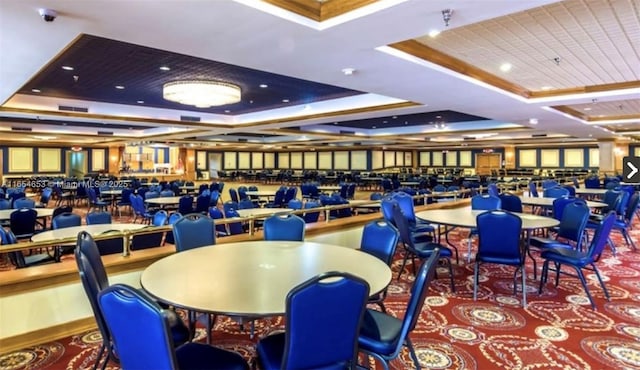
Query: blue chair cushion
point(199, 356)
point(567, 256)
point(424, 250)
point(539, 242)
point(379, 332)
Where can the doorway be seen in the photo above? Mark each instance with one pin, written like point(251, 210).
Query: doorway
point(488, 162)
point(76, 164)
point(215, 164)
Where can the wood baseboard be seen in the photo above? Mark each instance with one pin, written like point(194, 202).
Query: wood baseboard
point(45, 335)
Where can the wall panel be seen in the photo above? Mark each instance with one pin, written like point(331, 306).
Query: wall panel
point(549, 158)
point(465, 158)
point(201, 160)
point(244, 160)
point(341, 160)
point(451, 158)
point(20, 160)
point(424, 159)
point(408, 159)
point(50, 160)
point(310, 160)
point(98, 157)
point(400, 159)
point(594, 157)
point(324, 160)
point(436, 159)
point(296, 160)
point(574, 157)
point(389, 159)
point(257, 161)
point(284, 161)
point(377, 159)
point(230, 161)
point(527, 158)
point(359, 160)
point(269, 160)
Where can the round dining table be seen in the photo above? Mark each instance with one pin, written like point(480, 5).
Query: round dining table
point(589, 191)
point(548, 202)
point(262, 212)
point(5, 214)
point(253, 278)
point(466, 217)
point(70, 232)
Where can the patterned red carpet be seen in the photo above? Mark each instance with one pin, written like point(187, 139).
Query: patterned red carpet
point(557, 330)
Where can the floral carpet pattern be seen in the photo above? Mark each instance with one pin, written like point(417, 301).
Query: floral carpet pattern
point(557, 330)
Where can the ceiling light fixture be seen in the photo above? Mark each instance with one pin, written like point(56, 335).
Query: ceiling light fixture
point(446, 16)
point(165, 68)
point(67, 68)
point(434, 33)
point(533, 121)
point(201, 94)
point(348, 71)
point(505, 67)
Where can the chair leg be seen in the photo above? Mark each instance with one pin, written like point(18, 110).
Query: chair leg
point(524, 286)
point(469, 248)
point(543, 275)
point(412, 352)
point(100, 354)
point(404, 263)
point(475, 280)
point(584, 285)
point(604, 288)
point(453, 285)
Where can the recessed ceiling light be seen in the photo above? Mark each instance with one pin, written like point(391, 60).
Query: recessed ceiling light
point(119, 87)
point(36, 90)
point(590, 135)
point(335, 123)
point(165, 68)
point(434, 33)
point(385, 121)
point(140, 101)
point(67, 68)
point(438, 116)
point(285, 100)
point(505, 67)
point(264, 86)
point(227, 111)
point(348, 71)
point(373, 127)
point(533, 121)
point(546, 88)
point(587, 108)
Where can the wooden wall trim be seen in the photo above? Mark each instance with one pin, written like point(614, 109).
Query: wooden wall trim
point(45, 335)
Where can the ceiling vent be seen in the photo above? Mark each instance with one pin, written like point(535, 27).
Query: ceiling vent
point(68, 108)
point(241, 140)
point(28, 129)
point(539, 135)
point(189, 119)
point(467, 138)
point(347, 132)
point(109, 133)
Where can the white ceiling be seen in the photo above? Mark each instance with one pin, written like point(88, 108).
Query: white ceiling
point(232, 32)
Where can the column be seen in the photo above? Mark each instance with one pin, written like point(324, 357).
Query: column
point(607, 157)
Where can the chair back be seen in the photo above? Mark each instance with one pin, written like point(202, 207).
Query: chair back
point(173, 218)
point(5, 204)
point(98, 217)
point(499, 236)
point(93, 277)
point(24, 203)
point(160, 218)
point(127, 313)
point(216, 214)
point(592, 182)
point(610, 197)
point(229, 205)
point(601, 236)
point(310, 217)
point(510, 202)
point(234, 227)
point(485, 202)
point(193, 231)
point(492, 190)
point(402, 224)
point(295, 204)
point(290, 194)
point(632, 207)
point(66, 220)
point(380, 239)
point(570, 189)
point(185, 204)
point(22, 222)
point(279, 197)
point(284, 227)
point(145, 241)
point(330, 306)
point(555, 192)
point(246, 204)
point(167, 193)
point(405, 201)
point(533, 189)
point(234, 195)
point(202, 203)
point(558, 206)
point(575, 216)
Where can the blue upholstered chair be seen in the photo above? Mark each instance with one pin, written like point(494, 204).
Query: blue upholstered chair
point(19, 259)
point(499, 242)
point(24, 203)
point(383, 335)
point(380, 239)
point(578, 260)
point(533, 189)
point(421, 250)
point(284, 227)
point(623, 224)
point(510, 202)
point(555, 192)
point(98, 217)
point(484, 202)
point(203, 202)
point(331, 307)
point(94, 201)
point(129, 312)
point(311, 216)
point(185, 204)
point(592, 182)
point(66, 220)
point(22, 222)
point(492, 190)
point(94, 280)
point(573, 220)
point(193, 231)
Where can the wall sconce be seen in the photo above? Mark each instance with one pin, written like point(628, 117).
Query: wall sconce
point(114, 158)
point(191, 159)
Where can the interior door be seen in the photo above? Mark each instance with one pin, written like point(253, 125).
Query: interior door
point(485, 162)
